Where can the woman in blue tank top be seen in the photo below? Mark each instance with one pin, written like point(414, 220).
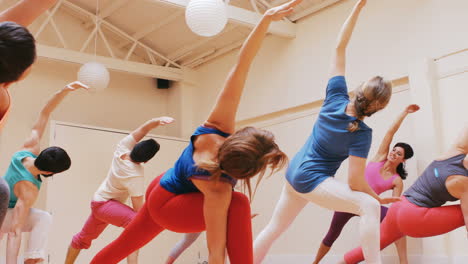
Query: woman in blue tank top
point(339, 133)
point(196, 193)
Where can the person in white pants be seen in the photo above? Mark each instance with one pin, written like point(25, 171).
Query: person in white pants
point(28, 168)
point(339, 133)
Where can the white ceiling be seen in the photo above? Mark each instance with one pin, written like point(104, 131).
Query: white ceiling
point(151, 33)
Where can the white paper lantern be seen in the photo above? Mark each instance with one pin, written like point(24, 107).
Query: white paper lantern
point(206, 17)
point(95, 75)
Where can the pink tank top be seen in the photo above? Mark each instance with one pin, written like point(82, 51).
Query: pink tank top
point(375, 180)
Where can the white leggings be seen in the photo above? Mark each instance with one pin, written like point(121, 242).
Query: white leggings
point(183, 244)
point(330, 194)
point(38, 224)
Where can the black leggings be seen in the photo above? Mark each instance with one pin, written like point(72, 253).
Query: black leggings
point(339, 221)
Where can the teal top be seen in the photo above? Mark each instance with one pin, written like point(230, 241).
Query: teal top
point(17, 172)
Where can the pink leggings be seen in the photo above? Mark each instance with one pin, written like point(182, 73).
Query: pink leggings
point(102, 214)
point(407, 219)
point(181, 213)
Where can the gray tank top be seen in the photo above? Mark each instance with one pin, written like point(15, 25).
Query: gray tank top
point(429, 190)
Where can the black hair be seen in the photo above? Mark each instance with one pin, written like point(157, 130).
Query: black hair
point(53, 159)
point(408, 154)
point(17, 51)
point(144, 150)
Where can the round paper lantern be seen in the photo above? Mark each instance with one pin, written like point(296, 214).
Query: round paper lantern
point(206, 17)
point(95, 75)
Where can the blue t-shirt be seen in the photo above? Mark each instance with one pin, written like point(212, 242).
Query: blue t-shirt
point(330, 142)
point(17, 172)
point(177, 179)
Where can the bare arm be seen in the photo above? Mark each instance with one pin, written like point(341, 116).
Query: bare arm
point(338, 65)
point(139, 133)
point(137, 202)
point(462, 141)
point(464, 206)
point(398, 187)
point(32, 143)
point(26, 11)
point(217, 198)
point(460, 146)
point(27, 194)
point(223, 114)
point(357, 181)
point(385, 145)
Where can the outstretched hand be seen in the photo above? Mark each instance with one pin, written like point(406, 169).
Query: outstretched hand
point(412, 108)
point(164, 120)
point(281, 11)
point(75, 86)
point(389, 200)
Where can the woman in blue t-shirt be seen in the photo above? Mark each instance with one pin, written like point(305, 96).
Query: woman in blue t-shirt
point(196, 194)
point(338, 133)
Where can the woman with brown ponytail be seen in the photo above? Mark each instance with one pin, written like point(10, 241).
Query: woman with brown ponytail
point(197, 193)
point(339, 133)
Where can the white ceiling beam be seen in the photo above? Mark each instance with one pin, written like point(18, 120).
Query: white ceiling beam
point(153, 27)
point(117, 30)
point(313, 9)
point(50, 15)
point(179, 53)
point(245, 17)
point(277, 2)
point(199, 57)
point(108, 10)
point(218, 53)
point(71, 56)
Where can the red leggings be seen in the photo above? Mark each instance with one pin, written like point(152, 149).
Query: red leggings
point(407, 219)
point(181, 213)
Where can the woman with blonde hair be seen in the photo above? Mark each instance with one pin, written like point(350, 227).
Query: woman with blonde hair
point(339, 133)
point(386, 171)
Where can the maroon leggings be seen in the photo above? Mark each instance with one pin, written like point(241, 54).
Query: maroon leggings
point(181, 213)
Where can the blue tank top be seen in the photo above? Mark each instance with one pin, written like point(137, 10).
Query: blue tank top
point(429, 190)
point(17, 172)
point(177, 179)
point(330, 142)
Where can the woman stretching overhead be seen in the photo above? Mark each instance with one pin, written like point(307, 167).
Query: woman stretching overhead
point(339, 133)
point(197, 193)
point(420, 212)
point(386, 171)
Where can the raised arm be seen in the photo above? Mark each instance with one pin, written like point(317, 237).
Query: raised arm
point(27, 194)
point(32, 143)
point(223, 114)
point(385, 144)
point(139, 133)
point(338, 64)
point(26, 11)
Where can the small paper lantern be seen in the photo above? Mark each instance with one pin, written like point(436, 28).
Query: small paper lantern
point(95, 75)
point(206, 17)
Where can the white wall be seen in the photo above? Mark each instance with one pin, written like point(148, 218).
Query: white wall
point(125, 104)
point(389, 35)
